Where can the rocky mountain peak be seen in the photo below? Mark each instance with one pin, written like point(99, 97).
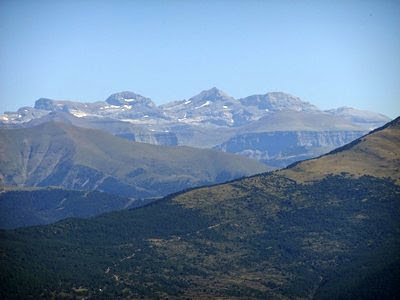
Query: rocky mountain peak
point(276, 101)
point(44, 103)
point(128, 98)
point(212, 94)
point(360, 116)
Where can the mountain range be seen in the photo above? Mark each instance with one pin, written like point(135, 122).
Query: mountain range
point(252, 126)
point(324, 228)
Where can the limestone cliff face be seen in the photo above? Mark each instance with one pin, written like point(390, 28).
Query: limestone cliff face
point(281, 148)
point(155, 138)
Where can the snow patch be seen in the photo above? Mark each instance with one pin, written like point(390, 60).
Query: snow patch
point(183, 119)
point(187, 102)
point(78, 113)
point(203, 105)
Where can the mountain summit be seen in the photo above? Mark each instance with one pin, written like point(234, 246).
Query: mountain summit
point(276, 101)
point(129, 98)
point(212, 94)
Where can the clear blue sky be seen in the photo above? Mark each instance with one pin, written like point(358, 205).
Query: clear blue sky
point(331, 53)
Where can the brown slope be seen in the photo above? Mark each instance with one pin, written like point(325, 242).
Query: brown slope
point(376, 154)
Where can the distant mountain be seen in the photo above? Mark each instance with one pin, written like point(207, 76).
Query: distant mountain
point(136, 133)
point(281, 148)
point(317, 230)
point(210, 107)
point(281, 138)
point(210, 119)
point(59, 154)
point(216, 107)
point(359, 117)
point(277, 101)
point(124, 105)
point(291, 120)
point(130, 98)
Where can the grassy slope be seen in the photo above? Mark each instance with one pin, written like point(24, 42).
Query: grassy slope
point(29, 156)
point(375, 154)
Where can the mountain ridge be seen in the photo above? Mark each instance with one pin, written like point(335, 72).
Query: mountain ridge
point(79, 158)
point(272, 101)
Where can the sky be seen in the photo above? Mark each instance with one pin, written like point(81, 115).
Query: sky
point(330, 53)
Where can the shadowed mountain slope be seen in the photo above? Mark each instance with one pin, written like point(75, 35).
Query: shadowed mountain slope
point(21, 207)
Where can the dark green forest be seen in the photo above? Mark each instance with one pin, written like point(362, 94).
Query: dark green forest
point(334, 238)
point(28, 207)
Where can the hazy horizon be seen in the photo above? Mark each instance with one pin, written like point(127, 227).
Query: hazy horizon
point(330, 54)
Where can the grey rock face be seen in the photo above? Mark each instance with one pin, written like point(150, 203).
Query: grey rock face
point(67, 106)
point(155, 138)
point(45, 104)
point(360, 117)
point(277, 101)
point(22, 115)
point(282, 148)
point(127, 98)
point(128, 105)
point(211, 107)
